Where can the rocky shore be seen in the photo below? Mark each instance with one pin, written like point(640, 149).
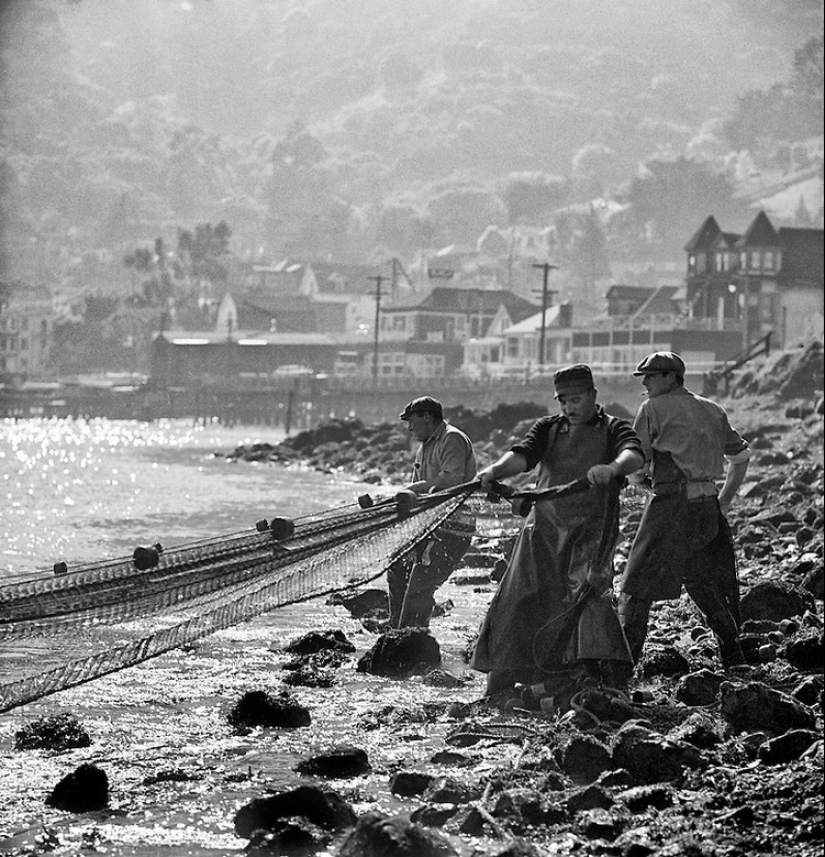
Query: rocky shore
point(691, 762)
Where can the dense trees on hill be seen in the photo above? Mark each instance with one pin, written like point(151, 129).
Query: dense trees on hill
point(317, 128)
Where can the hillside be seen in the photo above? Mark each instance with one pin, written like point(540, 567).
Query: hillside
point(328, 128)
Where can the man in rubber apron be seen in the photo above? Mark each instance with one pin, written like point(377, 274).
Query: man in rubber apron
point(565, 548)
point(683, 537)
point(444, 458)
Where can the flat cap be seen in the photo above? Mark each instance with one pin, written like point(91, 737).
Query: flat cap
point(423, 405)
point(573, 379)
point(661, 361)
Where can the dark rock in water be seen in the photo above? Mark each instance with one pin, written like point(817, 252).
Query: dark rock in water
point(401, 652)
point(410, 783)
point(814, 582)
point(436, 815)
point(442, 678)
point(377, 835)
point(450, 790)
point(343, 761)
point(805, 651)
point(84, 790)
point(363, 603)
point(320, 806)
point(259, 708)
point(316, 641)
point(756, 707)
point(60, 732)
point(291, 836)
point(785, 748)
point(664, 661)
point(775, 601)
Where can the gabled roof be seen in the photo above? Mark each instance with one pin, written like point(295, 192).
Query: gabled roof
point(343, 279)
point(265, 301)
point(725, 241)
point(628, 293)
point(704, 235)
point(533, 323)
point(662, 301)
point(802, 255)
point(446, 299)
point(760, 233)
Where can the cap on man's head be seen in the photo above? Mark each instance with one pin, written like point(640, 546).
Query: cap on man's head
point(423, 405)
point(573, 379)
point(661, 361)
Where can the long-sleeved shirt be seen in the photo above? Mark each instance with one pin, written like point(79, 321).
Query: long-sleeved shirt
point(694, 430)
point(445, 459)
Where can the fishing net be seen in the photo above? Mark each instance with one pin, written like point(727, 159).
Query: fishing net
point(58, 632)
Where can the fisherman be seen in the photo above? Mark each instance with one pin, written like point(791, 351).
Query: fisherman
point(565, 548)
point(683, 537)
point(444, 458)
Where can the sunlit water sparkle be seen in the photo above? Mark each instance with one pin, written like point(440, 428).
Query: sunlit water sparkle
point(92, 490)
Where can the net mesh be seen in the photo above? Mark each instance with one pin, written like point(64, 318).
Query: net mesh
point(58, 632)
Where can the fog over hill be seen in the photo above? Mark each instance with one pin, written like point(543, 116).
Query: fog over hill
point(351, 129)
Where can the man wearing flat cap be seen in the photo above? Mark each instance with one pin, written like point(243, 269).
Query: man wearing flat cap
point(444, 458)
point(683, 537)
point(564, 550)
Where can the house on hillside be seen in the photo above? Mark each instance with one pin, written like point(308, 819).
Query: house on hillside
point(26, 323)
point(763, 281)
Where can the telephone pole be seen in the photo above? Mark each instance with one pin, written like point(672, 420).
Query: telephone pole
point(546, 268)
point(378, 281)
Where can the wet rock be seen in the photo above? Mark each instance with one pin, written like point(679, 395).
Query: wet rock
point(343, 761)
point(259, 708)
point(410, 783)
point(805, 651)
point(700, 730)
point(592, 797)
point(599, 824)
point(320, 806)
point(295, 837)
point(84, 790)
point(377, 835)
point(774, 600)
point(583, 758)
point(641, 798)
point(442, 678)
point(663, 661)
point(59, 732)
point(698, 688)
point(756, 707)
point(517, 848)
point(742, 816)
point(521, 807)
point(604, 706)
point(651, 757)
point(317, 641)
point(450, 790)
point(809, 692)
point(434, 815)
point(814, 582)
point(785, 748)
point(401, 652)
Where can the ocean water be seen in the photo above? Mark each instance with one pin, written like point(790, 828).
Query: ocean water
point(92, 490)
point(85, 490)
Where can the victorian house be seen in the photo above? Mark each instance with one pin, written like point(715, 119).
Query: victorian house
point(765, 281)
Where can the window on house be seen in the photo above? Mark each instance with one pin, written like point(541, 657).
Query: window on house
point(768, 260)
point(512, 346)
point(756, 258)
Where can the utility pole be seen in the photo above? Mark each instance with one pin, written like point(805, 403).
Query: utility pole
point(546, 268)
point(378, 281)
